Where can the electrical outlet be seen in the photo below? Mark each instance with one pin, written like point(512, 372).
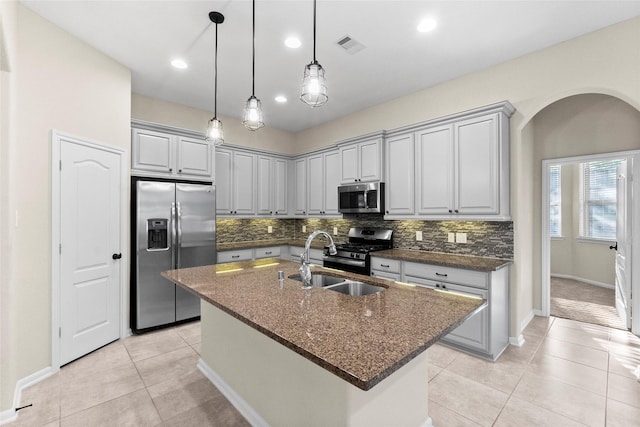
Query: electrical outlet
point(269, 229)
point(304, 228)
point(451, 238)
point(335, 231)
point(419, 236)
point(461, 237)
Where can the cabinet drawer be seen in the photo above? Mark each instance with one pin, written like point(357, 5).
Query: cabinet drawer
point(233, 256)
point(477, 279)
point(383, 264)
point(272, 251)
point(385, 275)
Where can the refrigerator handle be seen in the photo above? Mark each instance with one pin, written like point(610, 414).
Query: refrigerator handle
point(173, 235)
point(179, 233)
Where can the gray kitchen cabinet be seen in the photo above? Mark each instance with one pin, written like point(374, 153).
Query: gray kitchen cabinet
point(454, 167)
point(268, 252)
point(159, 151)
point(300, 186)
point(315, 255)
point(486, 333)
point(235, 255)
point(361, 159)
point(271, 191)
point(400, 164)
point(322, 183)
point(235, 183)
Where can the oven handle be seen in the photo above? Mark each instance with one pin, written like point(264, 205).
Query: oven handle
point(345, 261)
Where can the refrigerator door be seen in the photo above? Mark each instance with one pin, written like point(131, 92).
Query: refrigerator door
point(196, 238)
point(155, 295)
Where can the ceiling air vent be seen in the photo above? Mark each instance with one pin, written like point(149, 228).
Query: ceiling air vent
point(350, 45)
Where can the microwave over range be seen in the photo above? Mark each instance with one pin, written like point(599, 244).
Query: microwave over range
point(366, 197)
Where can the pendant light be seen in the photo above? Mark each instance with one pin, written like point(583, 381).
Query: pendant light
point(314, 86)
point(253, 110)
point(214, 130)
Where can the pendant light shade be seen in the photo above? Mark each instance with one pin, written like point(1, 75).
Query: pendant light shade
point(215, 134)
point(314, 85)
point(253, 110)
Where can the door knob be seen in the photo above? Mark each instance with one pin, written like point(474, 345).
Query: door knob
point(614, 247)
point(116, 256)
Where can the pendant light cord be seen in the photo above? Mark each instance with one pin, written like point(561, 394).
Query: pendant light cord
point(253, 79)
point(314, 31)
point(215, 80)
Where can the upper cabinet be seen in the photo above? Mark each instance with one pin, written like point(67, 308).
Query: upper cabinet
point(322, 183)
point(166, 152)
point(456, 167)
point(300, 186)
point(361, 159)
point(235, 183)
point(272, 185)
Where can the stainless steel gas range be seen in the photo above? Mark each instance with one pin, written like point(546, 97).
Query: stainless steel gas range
point(354, 256)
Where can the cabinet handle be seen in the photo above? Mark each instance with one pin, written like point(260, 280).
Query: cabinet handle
point(268, 252)
point(271, 212)
point(384, 265)
point(170, 169)
point(231, 212)
point(437, 285)
point(276, 212)
point(441, 274)
point(450, 211)
point(456, 210)
point(235, 256)
point(179, 170)
point(387, 211)
point(443, 286)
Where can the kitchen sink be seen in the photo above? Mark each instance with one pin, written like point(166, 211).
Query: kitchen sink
point(355, 289)
point(320, 280)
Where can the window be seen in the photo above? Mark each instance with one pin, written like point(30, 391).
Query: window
point(598, 199)
point(555, 200)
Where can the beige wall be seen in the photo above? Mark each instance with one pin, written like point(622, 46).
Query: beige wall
point(63, 84)
point(591, 261)
point(168, 113)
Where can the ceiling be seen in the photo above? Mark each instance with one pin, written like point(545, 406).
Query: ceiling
point(397, 60)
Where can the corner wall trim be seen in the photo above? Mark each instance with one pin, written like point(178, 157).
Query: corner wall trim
point(23, 383)
point(236, 400)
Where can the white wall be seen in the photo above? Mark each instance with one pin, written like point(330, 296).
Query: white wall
point(64, 84)
point(587, 260)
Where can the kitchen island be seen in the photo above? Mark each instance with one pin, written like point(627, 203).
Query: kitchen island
point(284, 355)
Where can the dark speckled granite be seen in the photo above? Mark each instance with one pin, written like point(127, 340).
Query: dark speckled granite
point(448, 260)
point(360, 339)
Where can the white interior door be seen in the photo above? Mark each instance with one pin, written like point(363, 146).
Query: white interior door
point(90, 230)
point(623, 246)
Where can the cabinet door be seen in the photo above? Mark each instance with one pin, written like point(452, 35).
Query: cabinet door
point(280, 192)
point(400, 175)
point(224, 203)
point(315, 184)
point(301, 187)
point(369, 155)
point(331, 182)
point(477, 163)
point(152, 151)
point(349, 164)
point(474, 332)
point(244, 183)
point(194, 157)
point(265, 186)
point(434, 170)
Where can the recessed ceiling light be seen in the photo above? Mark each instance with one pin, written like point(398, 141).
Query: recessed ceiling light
point(427, 25)
point(179, 63)
point(292, 42)
point(281, 98)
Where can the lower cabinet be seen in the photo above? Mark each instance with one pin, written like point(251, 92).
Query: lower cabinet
point(315, 255)
point(235, 255)
point(386, 268)
point(486, 333)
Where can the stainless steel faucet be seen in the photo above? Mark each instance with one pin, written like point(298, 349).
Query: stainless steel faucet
point(305, 270)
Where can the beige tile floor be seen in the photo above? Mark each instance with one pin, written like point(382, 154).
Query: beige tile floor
point(567, 373)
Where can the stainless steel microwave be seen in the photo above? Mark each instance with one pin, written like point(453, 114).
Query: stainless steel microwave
point(366, 197)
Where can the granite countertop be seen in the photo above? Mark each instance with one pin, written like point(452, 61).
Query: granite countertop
point(360, 339)
point(468, 262)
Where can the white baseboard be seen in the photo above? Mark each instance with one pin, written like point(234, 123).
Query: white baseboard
point(583, 280)
point(517, 341)
point(428, 423)
point(236, 400)
point(26, 382)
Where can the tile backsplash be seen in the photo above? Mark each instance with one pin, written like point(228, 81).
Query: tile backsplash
point(484, 238)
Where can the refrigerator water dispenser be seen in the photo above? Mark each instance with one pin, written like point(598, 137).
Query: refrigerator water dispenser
point(157, 233)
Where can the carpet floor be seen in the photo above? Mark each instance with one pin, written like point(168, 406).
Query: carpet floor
point(571, 299)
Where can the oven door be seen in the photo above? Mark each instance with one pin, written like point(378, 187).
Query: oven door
point(347, 264)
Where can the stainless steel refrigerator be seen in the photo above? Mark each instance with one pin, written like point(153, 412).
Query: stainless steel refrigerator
point(173, 226)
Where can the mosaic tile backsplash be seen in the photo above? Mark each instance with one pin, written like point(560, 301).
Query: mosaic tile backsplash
point(484, 238)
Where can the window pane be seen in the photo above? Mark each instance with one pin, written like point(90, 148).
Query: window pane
point(603, 221)
point(555, 199)
point(599, 199)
